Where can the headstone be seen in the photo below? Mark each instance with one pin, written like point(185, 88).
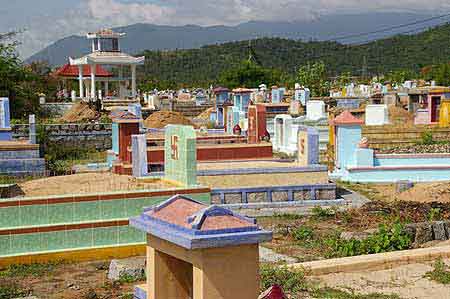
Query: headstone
point(139, 155)
point(315, 110)
point(422, 117)
point(308, 146)
point(256, 123)
point(131, 267)
point(4, 113)
point(377, 115)
point(73, 95)
point(32, 124)
point(180, 155)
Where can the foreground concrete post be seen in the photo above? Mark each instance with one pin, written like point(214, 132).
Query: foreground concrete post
point(308, 146)
point(139, 155)
point(32, 124)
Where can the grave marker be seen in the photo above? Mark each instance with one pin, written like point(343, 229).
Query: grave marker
point(139, 152)
point(308, 146)
point(181, 155)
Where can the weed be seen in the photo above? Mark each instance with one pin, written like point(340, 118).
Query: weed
point(434, 214)
point(287, 216)
point(321, 213)
point(427, 138)
point(385, 240)
point(127, 278)
point(332, 293)
point(303, 233)
point(292, 281)
point(127, 296)
point(11, 290)
point(439, 273)
point(22, 270)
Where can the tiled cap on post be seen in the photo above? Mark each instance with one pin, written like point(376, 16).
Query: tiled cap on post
point(346, 118)
point(193, 225)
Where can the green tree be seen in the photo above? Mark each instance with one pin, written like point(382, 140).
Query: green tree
point(439, 73)
point(400, 76)
point(249, 74)
point(314, 76)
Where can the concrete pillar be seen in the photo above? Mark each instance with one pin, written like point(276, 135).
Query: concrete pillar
point(93, 68)
point(106, 88)
point(32, 124)
point(139, 155)
point(133, 80)
point(80, 80)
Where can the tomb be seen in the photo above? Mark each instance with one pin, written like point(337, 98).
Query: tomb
point(315, 110)
point(377, 115)
point(355, 161)
point(199, 252)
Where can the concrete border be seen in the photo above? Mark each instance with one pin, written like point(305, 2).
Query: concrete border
point(380, 261)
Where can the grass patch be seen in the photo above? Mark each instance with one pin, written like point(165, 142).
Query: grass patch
point(127, 278)
point(295, 285)
point(24, 270)
point(440, 273)
point(320, 213)
point(332, 293)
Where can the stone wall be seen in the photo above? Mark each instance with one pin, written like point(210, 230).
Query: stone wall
point(389, 136)
point(88, 135)
point(56, 109)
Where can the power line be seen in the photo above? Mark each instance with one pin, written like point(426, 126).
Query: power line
point(344, 37)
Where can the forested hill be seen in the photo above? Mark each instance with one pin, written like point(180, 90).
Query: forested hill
point(203, 66)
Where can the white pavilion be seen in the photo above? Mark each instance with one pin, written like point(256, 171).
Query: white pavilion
point(106, 51)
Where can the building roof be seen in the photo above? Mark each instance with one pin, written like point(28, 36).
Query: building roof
point(104, 33)
point(346, 118)
point(191, 224)
point(68, 70)
point(220, 89)
point(112, 58)
point(242, 90)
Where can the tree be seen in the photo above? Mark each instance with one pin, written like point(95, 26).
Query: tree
point(439, 73)
point(314, 77)
point(249, 74)
point(400, 76)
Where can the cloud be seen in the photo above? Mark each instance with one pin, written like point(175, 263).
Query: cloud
point(91, 15)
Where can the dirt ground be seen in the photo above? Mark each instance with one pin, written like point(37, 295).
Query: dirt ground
point(160, 119)
point(406, 281)
point(86, 183)
point(68, 281)
point(261, 180)
point(421, 192)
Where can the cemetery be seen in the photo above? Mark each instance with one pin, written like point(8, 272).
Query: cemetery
point(222, 192)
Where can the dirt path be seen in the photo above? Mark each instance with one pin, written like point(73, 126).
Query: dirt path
point(406, 281)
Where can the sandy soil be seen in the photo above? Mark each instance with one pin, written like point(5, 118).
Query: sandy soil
point(421, 192)
point(262, 180)
point(86, 183)
point(406, 281)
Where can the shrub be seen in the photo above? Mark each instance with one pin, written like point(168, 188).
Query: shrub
point(303, 233)
point(385, 240)
point(427, 138)
point(321, 213)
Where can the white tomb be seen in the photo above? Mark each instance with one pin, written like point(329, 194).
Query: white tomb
point(315, 110)
point(377, 115)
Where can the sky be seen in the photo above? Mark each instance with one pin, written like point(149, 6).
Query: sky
point(45, 21)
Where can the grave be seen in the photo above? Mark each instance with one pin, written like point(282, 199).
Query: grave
point(5, 126)
point(308, 146)
point(315, 110)
point(377, 115)
point(199, 252)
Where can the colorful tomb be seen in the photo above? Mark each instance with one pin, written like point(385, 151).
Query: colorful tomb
point(356, 162)
point(200, 252)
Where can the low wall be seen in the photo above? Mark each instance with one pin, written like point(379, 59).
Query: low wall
point(97, 136)
point(58, 224)
point(389, 136)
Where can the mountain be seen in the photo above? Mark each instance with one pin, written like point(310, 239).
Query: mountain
point(202, 67)
point(142, 37)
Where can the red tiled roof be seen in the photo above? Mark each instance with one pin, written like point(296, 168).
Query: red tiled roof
point(180, 210)
point(68, 70)
point(346, 118)
point(220, 89)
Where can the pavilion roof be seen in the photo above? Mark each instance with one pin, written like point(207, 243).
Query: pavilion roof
point(68, 70)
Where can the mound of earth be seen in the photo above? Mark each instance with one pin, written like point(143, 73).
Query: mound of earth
point(86, 183)
point(400, 117)
point(160, 119)
point(80, 112)
point(205, 115)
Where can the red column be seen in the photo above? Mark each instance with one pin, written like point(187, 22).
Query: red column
point(126, 129)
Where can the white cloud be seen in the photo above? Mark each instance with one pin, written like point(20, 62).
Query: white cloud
point(90, 15)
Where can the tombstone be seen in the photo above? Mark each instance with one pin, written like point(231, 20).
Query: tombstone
point(281, 132)
point(100, 96)
point(139, 155)
point(32, 126)
point(422, 117)
point(180, 155)
point(348, 103)
point(5, 126)
point(315, 110)
point(377, 115)
point(256, 123)
point(308, 146)
point(294, 107)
